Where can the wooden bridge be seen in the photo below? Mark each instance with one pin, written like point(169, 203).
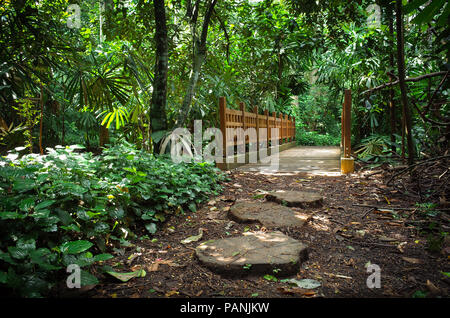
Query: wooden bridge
point(275, 135)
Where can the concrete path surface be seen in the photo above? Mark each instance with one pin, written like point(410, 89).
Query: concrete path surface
point(313, 159)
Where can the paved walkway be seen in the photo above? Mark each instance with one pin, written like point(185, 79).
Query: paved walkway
point(315, 159)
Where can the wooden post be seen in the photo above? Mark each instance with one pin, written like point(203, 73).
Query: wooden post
point(266, 112)
point(295, 129)
point(342, 129)
point(347, 123)
point(347, 163)
point(244, 125)
point(289, 128)
point(223, 123)
point(274, 115)
point(255, 110)
point(281, 129)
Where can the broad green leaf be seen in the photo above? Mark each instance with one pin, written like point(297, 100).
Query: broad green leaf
point(23, 185)
point(88, 279)
point(102, 257)
point(26, 204)
point(75, 247)
point(428, 13)
point(41, 214)
point(413, 5)
point(44, 204)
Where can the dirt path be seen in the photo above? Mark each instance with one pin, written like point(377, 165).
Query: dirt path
point(343, 240)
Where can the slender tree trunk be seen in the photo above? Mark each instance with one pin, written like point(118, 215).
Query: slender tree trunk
point(63, 133)
point(41, 102)
point(392, 118)
point(104, 136)
point(401, 76)
point(158, 116)
point(190, 92)
point(198, 59)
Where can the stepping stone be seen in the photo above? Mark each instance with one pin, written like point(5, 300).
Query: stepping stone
point(253, 253)
point(301, 199)
point(269, 214)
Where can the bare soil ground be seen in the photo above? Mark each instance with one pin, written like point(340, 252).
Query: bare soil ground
point(344, 237)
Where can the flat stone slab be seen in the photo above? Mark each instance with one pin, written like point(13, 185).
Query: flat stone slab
point(269, 214)
point(301, 199)
point(253, 253)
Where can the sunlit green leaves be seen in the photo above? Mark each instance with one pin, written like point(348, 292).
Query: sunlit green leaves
point(118, 114)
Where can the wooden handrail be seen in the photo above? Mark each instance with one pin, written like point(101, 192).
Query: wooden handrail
point(231, 118)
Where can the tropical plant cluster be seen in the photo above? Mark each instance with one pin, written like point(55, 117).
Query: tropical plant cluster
point(71, 207)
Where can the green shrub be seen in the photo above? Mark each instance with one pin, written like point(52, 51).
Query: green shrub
point(312, 138)
point(67, 207)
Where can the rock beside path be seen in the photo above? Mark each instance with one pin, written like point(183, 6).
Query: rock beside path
point(269, 214)
point(301, 199)
point(253, 253)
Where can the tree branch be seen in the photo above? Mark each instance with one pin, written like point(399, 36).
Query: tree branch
point(409, 79)
point(222, 25)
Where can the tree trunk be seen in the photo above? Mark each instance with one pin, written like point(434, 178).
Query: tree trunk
point(41, 102)
point(392, 118)
point(198, 59)
point(401, 77)
point(104, 136)
point(158, 116)
point(190, 92)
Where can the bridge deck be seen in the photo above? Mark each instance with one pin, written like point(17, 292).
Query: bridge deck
point(314, 159)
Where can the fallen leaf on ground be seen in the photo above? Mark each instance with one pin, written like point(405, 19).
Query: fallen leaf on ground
point(124, 277)
point(412, 260)
point(193, 238)
point(401, 246)
point(383, 211)
point(303, 283)
point(171, 293)
point(338, 276)
point(296, 291)
point(387, 239)
point(432, 288)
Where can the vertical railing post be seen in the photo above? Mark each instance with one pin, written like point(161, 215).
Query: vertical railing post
point(289, 128)
point(347, 123)
point(255, 110)
point(244, 125)
point(347, 164)
point(266, 112)
point(281, 129)
point(274, 115)
point(223, 123)
point(295, 129)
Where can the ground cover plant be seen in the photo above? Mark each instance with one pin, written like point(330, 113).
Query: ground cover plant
point(71, 207)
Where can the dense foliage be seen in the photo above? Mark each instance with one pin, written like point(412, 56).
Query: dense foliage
point(68, 207)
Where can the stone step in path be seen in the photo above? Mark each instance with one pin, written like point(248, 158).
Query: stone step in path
point(269, 214)
point(253, 253)
point(301, 199)
point(262, 252)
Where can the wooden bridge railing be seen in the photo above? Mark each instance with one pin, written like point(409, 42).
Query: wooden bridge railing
point(262, 123)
